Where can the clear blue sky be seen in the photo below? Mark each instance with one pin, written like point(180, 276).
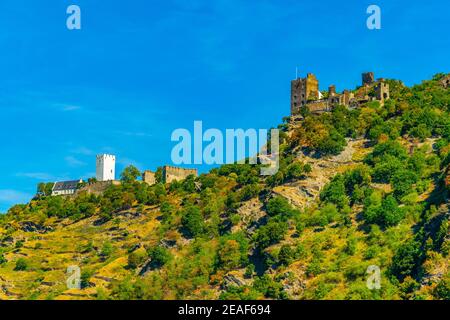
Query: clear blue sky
point(139, 69)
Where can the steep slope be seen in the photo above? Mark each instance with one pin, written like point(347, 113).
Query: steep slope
point(356, 189)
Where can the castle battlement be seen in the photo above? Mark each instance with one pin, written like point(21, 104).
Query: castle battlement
point(105, 156)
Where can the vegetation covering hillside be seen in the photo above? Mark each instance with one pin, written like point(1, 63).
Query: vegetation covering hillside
point(355, 188)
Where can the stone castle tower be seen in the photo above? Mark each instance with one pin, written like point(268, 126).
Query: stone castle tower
point(368, 78)
point(303, 89)
point(106, 167)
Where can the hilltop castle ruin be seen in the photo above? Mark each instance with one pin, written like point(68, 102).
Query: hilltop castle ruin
point(169, 174)
point(305, 93)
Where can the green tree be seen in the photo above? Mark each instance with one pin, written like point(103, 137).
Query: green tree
point(279, 206)
point(229, 255)
point(271, 233)
point(130, 174)
point(406, 260)
point(402, 182)
point(45, 189)
point(390, 212)
point(192, 221)
point(335, 192)
point(159, 256)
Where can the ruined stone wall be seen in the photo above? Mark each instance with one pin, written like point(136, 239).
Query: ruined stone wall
point(446, 82)
point(312, 86)
point(98, 187)
point(319, 106)
point(382, 91)
point(171, 174)
point(368, 78)
point(149, 177)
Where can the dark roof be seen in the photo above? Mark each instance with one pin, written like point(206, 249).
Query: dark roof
point(66, 185)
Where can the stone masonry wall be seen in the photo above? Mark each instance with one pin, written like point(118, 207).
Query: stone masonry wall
point(171, 174)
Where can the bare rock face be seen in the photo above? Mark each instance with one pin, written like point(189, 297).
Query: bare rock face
point(251, 213)
point(446, 82)
point(234, 279)
point(304, 192)
point(294, 283)
point(7, 241)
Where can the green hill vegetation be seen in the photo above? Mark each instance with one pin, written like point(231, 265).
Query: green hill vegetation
point(355, 188)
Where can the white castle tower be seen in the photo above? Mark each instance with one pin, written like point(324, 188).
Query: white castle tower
point(106, 167)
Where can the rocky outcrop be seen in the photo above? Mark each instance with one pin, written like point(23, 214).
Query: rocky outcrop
point(446, 82)
point(303, 193)
point(168, 244)
point(252, 215)
point(29, 226)
point(233, 280)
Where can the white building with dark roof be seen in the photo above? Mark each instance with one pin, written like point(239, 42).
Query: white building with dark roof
point(65, 188)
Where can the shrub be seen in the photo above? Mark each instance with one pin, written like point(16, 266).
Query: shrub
point(442, 290)
point(21, 265)
point(159, 256)
point(136, 258)
point(350, 247)
point(3, 259)
point(107, 250)
point(269, 287)
point(286, 255)
point(192, 221)
point(85, 277)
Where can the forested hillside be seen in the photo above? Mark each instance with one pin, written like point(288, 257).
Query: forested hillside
point(356, 188)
